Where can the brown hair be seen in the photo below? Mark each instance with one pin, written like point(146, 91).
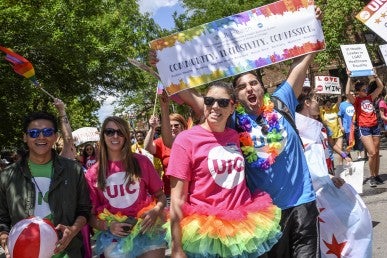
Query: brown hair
point(131, 166)
point(179, 118)
point(259, 79)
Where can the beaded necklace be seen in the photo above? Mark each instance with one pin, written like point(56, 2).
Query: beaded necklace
point(269, 127)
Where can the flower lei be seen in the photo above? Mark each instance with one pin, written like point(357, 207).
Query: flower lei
point(271, 129)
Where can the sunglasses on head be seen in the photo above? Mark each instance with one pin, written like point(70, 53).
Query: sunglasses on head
point(34, 133)
point(209, 101)
point(110, 132)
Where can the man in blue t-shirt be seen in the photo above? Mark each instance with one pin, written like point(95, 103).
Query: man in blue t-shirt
point(283, 172)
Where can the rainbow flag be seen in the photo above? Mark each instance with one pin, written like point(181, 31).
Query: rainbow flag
point(20, 65)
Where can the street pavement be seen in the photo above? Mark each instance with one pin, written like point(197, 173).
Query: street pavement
point(376, 201)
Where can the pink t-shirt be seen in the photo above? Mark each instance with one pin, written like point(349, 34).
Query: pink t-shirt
point(213, 165)
point(120, 197)
point(383, 106)
point(365, 112)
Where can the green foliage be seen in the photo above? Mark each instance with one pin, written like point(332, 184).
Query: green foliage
point(79, 50)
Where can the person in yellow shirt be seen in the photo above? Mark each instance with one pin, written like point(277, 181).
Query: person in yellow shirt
point(329, 116)
point(138, 147)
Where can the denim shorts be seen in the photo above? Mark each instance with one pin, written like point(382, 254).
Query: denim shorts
point(369, 131)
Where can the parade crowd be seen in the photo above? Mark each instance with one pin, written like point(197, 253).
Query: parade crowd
point(244, 181)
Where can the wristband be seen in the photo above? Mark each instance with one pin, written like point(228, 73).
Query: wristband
point(344, 155)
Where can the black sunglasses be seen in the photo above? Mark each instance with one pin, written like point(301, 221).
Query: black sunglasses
point(34, 133)
point(209, 101)
point(110, 132)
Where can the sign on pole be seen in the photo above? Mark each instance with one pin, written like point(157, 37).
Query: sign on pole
point(239, 43)
point(357, 60)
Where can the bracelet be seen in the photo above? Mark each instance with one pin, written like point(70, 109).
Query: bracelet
point(63, 116)
point(344, 155)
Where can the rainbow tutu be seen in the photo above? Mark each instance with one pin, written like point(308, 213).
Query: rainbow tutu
point(247, 231)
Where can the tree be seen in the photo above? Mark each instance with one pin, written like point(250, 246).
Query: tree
point(79, 50)
point(339, 24)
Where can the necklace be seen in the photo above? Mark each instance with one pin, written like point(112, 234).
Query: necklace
point(269, 127)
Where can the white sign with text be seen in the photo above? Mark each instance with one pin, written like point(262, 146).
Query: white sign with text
point(357, 59)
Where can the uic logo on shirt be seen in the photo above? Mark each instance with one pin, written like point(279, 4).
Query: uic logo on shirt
point(119, 193)
point(367, 106)
point(225, 165)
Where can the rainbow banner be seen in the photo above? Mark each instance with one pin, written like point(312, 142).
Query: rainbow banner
point(239, 43)
point(20, 65)
point(374, 16)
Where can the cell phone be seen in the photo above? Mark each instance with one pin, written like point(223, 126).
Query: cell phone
point(130, 220)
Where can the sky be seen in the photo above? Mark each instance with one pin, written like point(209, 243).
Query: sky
point(161, 11)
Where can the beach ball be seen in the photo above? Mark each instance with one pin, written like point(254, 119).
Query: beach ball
point(32, 238)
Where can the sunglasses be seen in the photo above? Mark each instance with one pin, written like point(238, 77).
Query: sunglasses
point(209, 101)
point(363, 90)
point(175, 125)
point(110, 132)
point(34, 133)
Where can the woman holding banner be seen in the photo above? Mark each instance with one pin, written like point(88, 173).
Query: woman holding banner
point(213, 213)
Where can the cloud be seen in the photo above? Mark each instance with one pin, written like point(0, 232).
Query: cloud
point(152, 6)
point(106, 109)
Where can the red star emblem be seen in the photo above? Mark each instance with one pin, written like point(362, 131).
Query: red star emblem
point(335, 247)
point(319, 218)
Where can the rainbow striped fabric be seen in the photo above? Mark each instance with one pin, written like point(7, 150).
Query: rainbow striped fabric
point(20, 65)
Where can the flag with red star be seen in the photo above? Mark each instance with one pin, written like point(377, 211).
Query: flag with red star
point(345, 222)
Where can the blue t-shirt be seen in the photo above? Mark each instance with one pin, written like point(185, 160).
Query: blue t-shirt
point(288, 180)
point(346, 112)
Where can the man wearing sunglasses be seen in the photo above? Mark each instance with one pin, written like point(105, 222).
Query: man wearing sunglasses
point(46, 185)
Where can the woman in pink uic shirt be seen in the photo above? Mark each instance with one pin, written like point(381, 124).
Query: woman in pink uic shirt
point(127, 197)
point(212, 211)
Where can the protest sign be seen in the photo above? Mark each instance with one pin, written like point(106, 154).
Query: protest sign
point(352, 174)
point(357, 60)
point(85, 134)
point(237, 44)
point(374, 16)
point(327, 85)
point(383, 50)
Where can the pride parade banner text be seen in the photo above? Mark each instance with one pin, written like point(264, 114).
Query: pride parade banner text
point(238, 43)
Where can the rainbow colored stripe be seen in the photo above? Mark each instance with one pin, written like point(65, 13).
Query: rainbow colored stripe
point(20, 65)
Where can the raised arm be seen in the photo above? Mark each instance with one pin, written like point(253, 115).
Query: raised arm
point(166, 132)
point(149, 145)
point(192, 98)
point(68, 150)
point(348, 86)
point(297, 73)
